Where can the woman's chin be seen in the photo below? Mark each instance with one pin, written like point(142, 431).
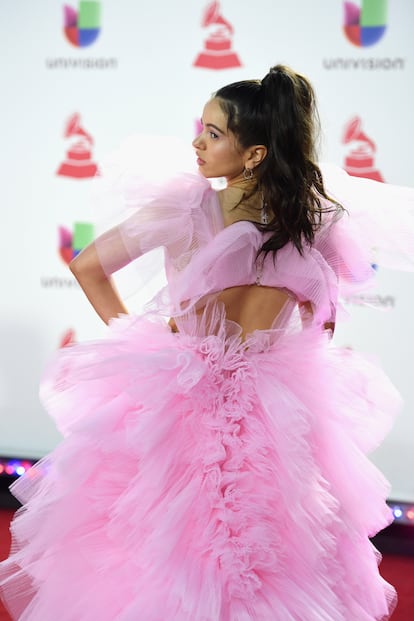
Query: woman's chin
point(204, 172)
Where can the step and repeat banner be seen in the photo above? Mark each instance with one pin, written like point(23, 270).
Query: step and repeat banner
point(77, 79)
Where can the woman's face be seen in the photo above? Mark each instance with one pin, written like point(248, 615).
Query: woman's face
point(218, 154)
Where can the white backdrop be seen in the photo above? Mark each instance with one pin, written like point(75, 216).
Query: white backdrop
point(138, 75)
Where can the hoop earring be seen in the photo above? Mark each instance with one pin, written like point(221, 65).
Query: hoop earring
point(248, 174)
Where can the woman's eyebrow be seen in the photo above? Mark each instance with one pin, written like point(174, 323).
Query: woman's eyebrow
point(215, 127)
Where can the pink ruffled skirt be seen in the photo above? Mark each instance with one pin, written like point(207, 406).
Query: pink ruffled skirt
point(205, 479)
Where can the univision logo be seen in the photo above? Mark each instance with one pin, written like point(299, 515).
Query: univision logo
point(82, 27)
point(365, 23)
point(72, 242)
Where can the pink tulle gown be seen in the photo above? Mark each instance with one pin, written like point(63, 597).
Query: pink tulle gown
point(204, 476)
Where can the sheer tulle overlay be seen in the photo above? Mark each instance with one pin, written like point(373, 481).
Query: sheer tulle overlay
point(206, 476)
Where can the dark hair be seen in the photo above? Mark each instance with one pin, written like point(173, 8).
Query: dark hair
point(280, 113)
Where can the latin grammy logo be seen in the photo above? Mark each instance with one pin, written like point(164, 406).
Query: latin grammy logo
point(217, 53)
point(360, 159)
point(67, 338)
point(78, 163)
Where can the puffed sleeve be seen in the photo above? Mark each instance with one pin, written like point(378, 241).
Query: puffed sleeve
point(160, 215)
point(381, 219)
point(342, 245)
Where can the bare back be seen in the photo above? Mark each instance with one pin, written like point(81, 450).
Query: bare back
point(253, 307)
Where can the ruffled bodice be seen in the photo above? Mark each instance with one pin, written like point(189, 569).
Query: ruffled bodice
point(204, 257)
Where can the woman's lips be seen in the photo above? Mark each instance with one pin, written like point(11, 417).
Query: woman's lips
point(200, 162)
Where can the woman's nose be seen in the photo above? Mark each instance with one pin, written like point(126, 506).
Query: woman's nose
point(198, 142)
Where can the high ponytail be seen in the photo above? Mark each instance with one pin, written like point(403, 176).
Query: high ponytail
point(280, 112)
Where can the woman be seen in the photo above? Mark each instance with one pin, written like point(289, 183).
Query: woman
point(213, 467)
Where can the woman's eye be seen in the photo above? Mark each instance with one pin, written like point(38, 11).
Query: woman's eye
point(213, 135)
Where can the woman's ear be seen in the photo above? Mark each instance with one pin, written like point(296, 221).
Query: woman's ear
point(255, 155)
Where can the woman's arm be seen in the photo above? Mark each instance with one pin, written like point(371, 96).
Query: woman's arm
point(97, 286)
point(163, 220)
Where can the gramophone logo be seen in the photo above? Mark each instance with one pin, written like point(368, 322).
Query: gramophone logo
point(67, 338)
point(365, 22)
point(78, 163)
point(72, 242)
point(82, 27)
point(360, 159)
point(217, 53)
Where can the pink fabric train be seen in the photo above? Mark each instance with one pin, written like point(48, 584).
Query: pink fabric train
point(203, 477)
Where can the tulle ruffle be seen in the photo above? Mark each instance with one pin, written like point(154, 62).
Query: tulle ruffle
point(182, 216)
point(382, 216)
point(203, 478)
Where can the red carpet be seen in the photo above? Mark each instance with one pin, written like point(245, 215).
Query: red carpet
point(5, 517)
point(399, 570)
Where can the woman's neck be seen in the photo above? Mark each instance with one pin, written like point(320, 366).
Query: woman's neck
point(241, 200)
point(242, 183)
